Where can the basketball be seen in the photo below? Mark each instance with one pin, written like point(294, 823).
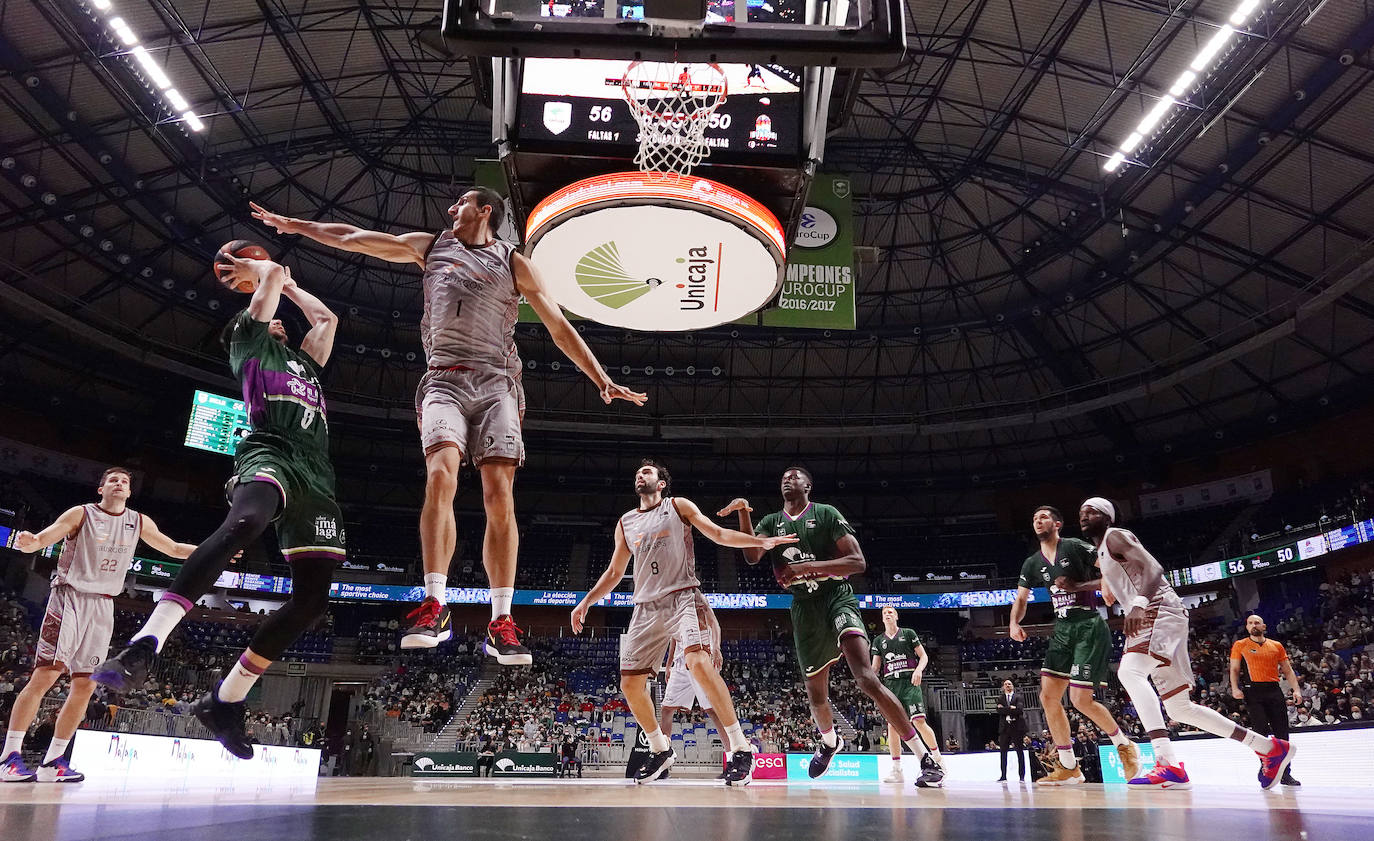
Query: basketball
point(240, 248)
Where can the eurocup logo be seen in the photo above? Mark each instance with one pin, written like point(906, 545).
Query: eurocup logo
point(816, 229)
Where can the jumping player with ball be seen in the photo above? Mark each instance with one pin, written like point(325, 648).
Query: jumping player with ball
point(282, 475)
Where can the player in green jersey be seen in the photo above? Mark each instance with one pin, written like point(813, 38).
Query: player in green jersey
point(900, 660)
point(282, 475)
point(825, 615)
point(1079, 646)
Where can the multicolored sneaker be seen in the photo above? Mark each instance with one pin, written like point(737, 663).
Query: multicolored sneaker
point(1129, 754)
point(1274, 763)
point(932, 773)
point(58, 771)
point(741, 770)
point(1162, 776)
point(13, 770)
point(129, 668)
point(503, 642)
point(820, 760)
point(430, 625)
point(1062, 776)
point(655, 767)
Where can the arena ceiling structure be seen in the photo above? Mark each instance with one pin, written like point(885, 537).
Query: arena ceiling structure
point(1028, 305)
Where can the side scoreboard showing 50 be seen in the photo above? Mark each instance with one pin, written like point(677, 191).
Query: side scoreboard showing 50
point(217, 423)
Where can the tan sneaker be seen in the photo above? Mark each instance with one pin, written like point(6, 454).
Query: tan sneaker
point(1062, 776)
point(1130, 759)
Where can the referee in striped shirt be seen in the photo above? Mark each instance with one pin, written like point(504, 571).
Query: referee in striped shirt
point(1264, 701)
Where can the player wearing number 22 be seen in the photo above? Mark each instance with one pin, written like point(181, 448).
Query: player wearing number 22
point(79, 621)
point(470, 403)
point(670, 610)
point(825, 614)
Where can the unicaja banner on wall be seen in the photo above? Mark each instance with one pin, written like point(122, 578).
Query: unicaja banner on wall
point(465, 764)
point(818, 285)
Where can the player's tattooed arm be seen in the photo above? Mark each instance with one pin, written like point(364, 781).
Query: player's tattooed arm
point(64, 526)
point(529, 284)
point(394, 248)
point(689, 511)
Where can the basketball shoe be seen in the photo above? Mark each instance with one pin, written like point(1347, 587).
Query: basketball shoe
point(1062, 776)
point(58, 771)
point(129, 668)
point(13, 770)
point(741, 770)
point(655, 766)
point(431, 625)
point(1130, 760)
point(820, 760)
point(1275, 762)
point(503, 642)
point(225, 721)
point(1162, 776)
point(895, 775)
point(932, 775)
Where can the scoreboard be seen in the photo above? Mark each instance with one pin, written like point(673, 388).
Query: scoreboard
point(217, 424)
point(1292, 553)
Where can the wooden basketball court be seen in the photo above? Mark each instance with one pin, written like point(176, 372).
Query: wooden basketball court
point(391, 809)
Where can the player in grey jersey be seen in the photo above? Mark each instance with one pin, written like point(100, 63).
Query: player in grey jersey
point(669, 607)
point(470, 402)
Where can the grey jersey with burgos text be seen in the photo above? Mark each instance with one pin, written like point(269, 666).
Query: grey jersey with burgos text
point(470, 305)
point(661, 543)
point(97, 557)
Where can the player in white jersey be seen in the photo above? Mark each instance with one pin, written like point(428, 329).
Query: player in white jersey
point(470, 402)
point(1156, 628)
point(75, 636)
point(680, 689)
point(669, 607)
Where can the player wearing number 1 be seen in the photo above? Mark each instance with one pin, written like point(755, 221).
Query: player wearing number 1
point(470, 403)
point(825, 614)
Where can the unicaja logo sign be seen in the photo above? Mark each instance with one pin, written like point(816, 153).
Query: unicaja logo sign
point(656, 253)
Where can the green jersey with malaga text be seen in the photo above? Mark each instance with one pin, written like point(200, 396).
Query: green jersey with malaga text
point(1075, 560)
point(819, 529)
point(897, 654)
point(281, 390)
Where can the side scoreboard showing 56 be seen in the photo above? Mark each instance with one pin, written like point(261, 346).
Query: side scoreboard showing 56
point(217, 423)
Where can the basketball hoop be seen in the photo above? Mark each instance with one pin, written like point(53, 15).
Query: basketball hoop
point(673, 104)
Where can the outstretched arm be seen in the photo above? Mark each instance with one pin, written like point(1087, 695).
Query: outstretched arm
point(153, 536)
point(394, 248)
point(529, 284)
point(689, 511)
point(615, 570)
point(752, 554)
point(63, 526)
point(319, 342)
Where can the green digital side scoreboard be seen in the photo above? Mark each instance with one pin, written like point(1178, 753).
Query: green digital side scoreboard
point(217, 423)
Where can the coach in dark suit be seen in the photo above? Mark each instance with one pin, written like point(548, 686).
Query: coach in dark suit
point(1011, 728)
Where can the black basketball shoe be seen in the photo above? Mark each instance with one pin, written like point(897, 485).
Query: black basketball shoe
point(655, 766)
point(820, 760)
point(741, 770)
point(430, 625)
point(503, 642)
point(932, 775)
point(129, 668)
point(224, 720)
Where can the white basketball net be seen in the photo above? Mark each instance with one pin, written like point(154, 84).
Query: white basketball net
point(673, 104)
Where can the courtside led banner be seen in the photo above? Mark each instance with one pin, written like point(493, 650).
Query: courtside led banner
point(654, 252)
point(168, 761)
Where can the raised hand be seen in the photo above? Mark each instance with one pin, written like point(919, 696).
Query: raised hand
point(282, 224)
point(739, 503)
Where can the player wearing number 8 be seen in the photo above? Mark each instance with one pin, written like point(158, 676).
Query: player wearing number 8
point(670, 609)
point(825, 614)
point(470, 402)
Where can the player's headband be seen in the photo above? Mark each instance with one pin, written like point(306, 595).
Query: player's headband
point(1105, 506)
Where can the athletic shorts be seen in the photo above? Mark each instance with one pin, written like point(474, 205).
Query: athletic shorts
point(1166, 640)
point(682, 616)
point(309, 522)
point(820, 622)
point(76, 631)
point(1078, 650)
point(683, 690)
point(479, 412)
point(912, 697)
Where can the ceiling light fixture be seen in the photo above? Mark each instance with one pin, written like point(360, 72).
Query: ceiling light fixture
point(151, 68)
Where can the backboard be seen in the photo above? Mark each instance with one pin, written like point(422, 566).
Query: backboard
point(799, 33)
